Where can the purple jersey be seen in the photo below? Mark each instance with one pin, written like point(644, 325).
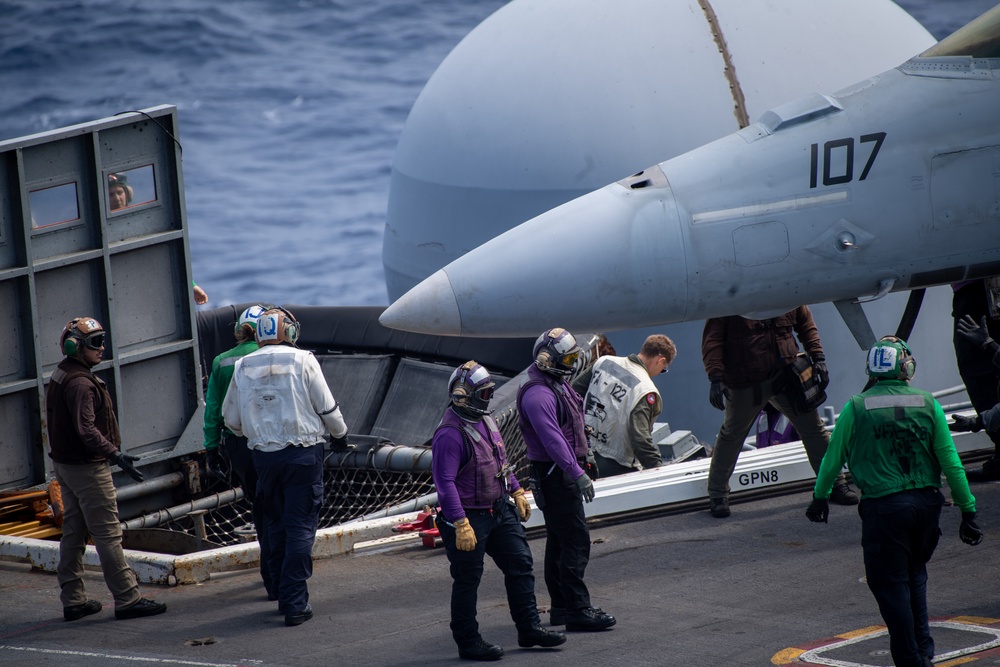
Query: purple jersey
point(540, 404)
point(465, 469)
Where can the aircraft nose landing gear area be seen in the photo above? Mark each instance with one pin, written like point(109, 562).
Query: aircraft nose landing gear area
point(959, 640)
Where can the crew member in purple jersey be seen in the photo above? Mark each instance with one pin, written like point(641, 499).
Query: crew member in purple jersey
point(551, 419)
point(482, 506)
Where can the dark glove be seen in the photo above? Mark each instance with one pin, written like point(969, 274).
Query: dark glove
point(717, 394)
point(125, 462)
point(977, 334)
point(962, 423)
point(586, 487)
point(969, 531)
point(339, 444)
point(214, 463)
point(822, 375)
point(818, 510)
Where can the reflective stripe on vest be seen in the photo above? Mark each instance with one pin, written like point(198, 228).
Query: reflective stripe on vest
point(894, 401)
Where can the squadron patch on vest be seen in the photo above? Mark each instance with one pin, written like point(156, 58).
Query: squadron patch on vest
point(651, 399)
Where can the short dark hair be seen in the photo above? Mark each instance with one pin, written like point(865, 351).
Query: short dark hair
point(659, 345)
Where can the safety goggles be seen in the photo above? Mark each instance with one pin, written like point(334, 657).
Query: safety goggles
point(570, 358)
point(485, 393)
point(95, 341)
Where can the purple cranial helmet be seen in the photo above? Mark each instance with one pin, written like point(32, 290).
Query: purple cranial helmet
point(556, 352)
point(471, 388)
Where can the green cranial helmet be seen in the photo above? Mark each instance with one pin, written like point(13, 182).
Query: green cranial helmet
point(891, 359)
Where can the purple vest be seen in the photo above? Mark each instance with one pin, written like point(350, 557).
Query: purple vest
point(569, 410)
point(479, 480)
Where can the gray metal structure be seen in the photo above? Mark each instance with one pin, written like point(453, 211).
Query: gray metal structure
point(65, 253)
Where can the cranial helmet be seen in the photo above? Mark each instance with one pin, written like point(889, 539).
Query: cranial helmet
point(248, 317)
point(81, 332)
point(890, 359)
point(471, 388)
point(276, 326)
point(556, 352)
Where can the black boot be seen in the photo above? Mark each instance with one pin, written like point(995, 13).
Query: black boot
point(539, 636)
point(719, 507)
point(141, 608)
point(78, 611)
point(480, 650)
point(989, 472)
point(843, 494)
point(589, 619)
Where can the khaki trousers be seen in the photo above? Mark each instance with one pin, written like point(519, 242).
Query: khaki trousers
point(742, 409)
point(90, 507)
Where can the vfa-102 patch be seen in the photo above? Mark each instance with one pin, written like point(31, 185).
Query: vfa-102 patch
point(651, 399)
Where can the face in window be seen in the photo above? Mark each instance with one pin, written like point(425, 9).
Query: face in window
point(117, 196)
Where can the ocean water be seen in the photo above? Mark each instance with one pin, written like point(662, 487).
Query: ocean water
point(289, 116)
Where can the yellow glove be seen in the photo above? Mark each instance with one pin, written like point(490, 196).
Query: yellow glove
point(465, 537)
point(523, 508)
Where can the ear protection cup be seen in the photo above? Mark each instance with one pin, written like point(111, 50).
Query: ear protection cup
point(292, 327)
point(70, 345)
point(908, 367)
point(544, 356)
point(457, 389)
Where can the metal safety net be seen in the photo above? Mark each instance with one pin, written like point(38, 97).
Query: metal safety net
point(377, 477)
point(348, 494)
point(358, 486)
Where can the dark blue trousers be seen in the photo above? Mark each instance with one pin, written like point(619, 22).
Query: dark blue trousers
point(499, 534)
point(899, 534)
point(241, 460)
point(979, 375)
point(290, 486)
point(567, 543)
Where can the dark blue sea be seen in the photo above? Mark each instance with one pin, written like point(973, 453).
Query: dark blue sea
point(289, 113)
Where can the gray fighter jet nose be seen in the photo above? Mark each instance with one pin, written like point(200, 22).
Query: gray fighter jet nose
point(619, 247)
point(429, 308)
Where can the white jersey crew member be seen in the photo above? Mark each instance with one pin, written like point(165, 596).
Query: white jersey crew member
point(279, 400)
point(622, 404)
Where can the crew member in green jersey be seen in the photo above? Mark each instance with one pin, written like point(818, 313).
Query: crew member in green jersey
point(896, 442)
